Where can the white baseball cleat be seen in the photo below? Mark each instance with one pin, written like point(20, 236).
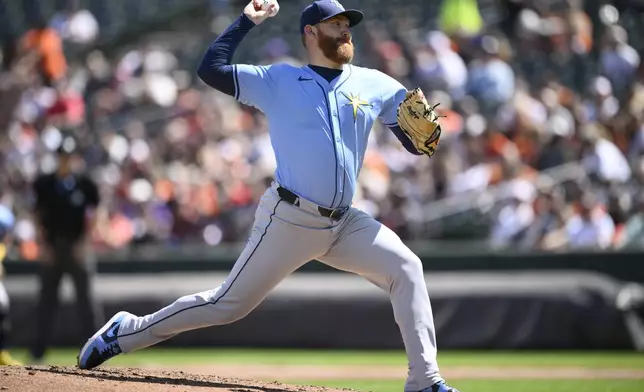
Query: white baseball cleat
point(103, 345)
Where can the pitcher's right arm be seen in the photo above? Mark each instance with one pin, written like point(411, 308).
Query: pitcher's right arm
point(250, 84)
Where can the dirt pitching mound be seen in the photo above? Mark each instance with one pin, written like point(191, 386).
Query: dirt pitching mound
point(69, 379)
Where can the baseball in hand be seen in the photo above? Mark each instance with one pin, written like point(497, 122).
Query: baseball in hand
point(264, 4)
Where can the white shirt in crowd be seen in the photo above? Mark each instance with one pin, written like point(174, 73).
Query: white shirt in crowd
point(608, 162)
point(597, 232)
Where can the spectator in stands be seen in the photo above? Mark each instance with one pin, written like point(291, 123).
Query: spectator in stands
point(461, 17)
point(549, 208)
point(601, 104)
point(491, 80)
point(591, 227)
point(47, 44)
point(517, 216)
point(632, 234)
point(602, 159)
point(16, 75)
point(619, 61)
point(75, 24)
point(439, 67)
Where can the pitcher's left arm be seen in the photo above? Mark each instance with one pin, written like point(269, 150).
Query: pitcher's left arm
point(410, 118)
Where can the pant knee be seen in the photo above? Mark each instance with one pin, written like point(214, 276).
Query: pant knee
point(215, 308)
point(232, 317)
point(411, 266)
point(229, 311)
point(409, 270)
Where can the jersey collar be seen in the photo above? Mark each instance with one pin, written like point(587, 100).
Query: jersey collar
point(347, 70)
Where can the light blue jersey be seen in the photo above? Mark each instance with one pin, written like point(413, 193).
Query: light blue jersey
point(319, 130)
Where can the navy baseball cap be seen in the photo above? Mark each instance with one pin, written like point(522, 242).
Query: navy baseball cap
point(321, 10)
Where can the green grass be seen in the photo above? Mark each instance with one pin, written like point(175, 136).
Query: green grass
point(164, 356)
point(496, 386)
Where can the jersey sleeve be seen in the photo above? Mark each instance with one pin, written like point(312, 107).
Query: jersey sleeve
point(394, 93)
point(255, 85)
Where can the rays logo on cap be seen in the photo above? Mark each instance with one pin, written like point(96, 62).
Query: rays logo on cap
point(337, 4)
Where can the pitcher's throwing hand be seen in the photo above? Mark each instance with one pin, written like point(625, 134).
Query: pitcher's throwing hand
point(260, 10)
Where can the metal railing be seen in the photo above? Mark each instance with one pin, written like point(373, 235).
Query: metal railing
point(487, 198)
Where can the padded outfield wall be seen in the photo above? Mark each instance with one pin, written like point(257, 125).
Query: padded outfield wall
point(537, 301)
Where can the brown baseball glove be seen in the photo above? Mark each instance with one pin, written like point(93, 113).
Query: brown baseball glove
point(420, 122)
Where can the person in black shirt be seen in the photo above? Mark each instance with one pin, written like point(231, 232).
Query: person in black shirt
point(64, 210)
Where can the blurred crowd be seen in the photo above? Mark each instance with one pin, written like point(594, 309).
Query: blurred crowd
point(178, 163)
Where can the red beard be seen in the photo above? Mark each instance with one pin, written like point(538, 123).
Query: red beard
point(338, 50)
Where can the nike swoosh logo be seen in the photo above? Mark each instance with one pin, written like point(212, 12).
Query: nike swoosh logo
point(303, 79)
point(110, 334)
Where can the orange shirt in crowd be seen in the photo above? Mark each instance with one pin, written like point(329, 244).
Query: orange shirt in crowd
point(50, 47)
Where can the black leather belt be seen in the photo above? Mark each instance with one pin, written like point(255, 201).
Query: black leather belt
point(293, 199)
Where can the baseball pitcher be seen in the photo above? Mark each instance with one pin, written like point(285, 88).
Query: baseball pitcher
point(320, 116)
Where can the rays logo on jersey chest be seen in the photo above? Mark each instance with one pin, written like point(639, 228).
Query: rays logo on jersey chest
point(356, 103)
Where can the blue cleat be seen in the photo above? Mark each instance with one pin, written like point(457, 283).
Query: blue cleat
point(440, 387)
point(103, 345)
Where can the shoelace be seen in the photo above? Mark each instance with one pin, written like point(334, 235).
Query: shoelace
point(110, 350)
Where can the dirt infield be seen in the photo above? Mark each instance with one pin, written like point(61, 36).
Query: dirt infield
point(239, 378)
point(68, 379)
